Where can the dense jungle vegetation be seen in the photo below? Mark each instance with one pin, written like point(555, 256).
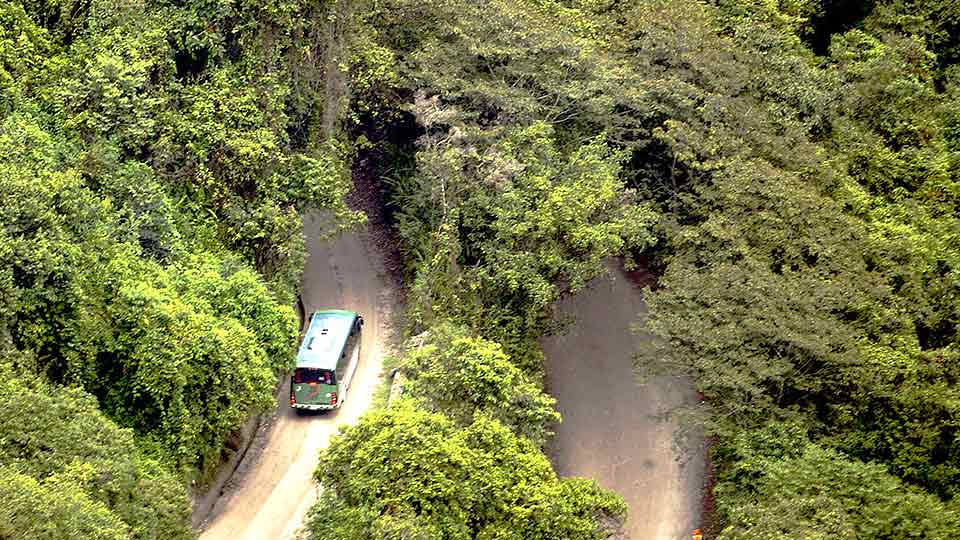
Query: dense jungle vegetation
point(790, 169)
point(155, 159)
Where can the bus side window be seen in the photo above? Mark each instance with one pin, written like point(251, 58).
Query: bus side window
point(345, 356)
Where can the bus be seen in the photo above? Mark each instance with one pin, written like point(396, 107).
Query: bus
point(326, 361)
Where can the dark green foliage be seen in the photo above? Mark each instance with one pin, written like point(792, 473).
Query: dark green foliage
point(223, 115)
point(515, 192)
point(496, 220)
point(403, 473)
point(910, 419)
point(937, 22)
point(794, 167)
point(180, 352)
point(56, 509)
point(810, 251)
point(782, 485)
point(22, 49)
point(193, 358)
point(499, 63)
point(809, 204)
point(806, 211)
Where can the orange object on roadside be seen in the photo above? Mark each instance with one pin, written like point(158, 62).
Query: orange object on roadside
point(697, 535)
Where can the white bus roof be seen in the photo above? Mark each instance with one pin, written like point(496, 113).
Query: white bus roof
point(325, 339)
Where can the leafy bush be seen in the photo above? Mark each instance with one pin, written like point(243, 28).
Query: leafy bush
point(155, 159)
point(462, 376)
point(805, 209)
point(780, 485)
point(72, 473)
point(181, 352)
point(406, 473)
point(502, 223)
point(56, 509)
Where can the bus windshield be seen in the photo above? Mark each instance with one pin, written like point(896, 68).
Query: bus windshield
point(310, 375)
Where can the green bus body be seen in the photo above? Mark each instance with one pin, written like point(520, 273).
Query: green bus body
point(326, 361)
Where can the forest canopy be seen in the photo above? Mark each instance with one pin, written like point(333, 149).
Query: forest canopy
point(155, 160)
point(789, 170)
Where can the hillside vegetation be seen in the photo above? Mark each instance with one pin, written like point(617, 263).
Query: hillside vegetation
point(790, 170)
point(155, 159)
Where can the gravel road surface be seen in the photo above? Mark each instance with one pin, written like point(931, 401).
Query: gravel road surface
point(270, 493)
point(612, 429)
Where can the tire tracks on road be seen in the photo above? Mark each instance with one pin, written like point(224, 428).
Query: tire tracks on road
point(269, 495)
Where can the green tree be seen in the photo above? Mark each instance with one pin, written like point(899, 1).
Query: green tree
point(404, 473)
point(515, 192)
point(181, 351)
point(462, 376)
point(819, 493)
point(500, 63)
point(155, 160)
point(181, 362)
point(72, 473)
point(23, 46)
point(936, 21)
point(56, 509)
point(234, 140)
point(531, 221)
point(753, 302)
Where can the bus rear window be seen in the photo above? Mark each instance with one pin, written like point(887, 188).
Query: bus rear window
point(308, 375)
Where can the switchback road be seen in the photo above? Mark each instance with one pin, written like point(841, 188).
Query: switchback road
point(612, 429)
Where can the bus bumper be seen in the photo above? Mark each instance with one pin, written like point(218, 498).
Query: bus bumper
point(313, 407)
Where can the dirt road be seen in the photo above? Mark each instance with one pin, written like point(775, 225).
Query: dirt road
point(272, 489)
point(610, 431)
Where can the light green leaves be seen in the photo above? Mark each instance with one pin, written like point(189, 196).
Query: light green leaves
point(530, 221)
point(72, 473)
point(54, 509)
point(403, 473)
point(464, 376)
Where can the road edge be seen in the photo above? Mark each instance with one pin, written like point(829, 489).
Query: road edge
point(204, 498)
